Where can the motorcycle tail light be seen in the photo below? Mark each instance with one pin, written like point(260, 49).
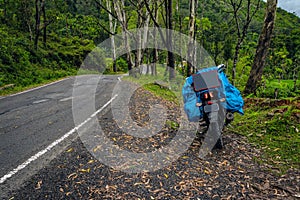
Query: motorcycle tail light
point(205, 95)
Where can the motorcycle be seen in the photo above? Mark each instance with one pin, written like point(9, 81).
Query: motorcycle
point(216, 101)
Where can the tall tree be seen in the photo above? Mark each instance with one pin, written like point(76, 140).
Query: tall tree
point(242, 25)
point(169, 25)
point(37, 23)
point(142, 25)
point(40, 10)
point(24, 16)
point(138, 39)
point(262, 48)
point(43, 10)
point(168, 40)
point(155, 50)
point(180, 23)
point(112, 28)
point(119, 6)
point(191, 48)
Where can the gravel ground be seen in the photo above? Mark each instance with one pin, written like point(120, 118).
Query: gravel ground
point(230, 173)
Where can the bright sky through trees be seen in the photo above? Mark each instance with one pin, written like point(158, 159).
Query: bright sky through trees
point(292, 6)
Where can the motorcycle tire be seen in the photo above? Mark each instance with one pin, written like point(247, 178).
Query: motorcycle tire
point(219, 144)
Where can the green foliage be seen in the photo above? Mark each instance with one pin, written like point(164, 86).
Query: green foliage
point(172, 124)
point(282, 88)
point(121, 64)
point(74, 27)
point(22, 66)
point(242, 71)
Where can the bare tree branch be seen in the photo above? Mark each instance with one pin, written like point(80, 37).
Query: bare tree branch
point(138, 9)
point(104, 8)
point(155, 22)
point(106, 30)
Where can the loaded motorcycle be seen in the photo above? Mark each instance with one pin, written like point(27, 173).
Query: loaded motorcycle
point(211, 100)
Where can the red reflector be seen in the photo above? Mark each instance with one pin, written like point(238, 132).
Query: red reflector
point(209, 103)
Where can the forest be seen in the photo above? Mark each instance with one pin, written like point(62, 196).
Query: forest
point(44, 40)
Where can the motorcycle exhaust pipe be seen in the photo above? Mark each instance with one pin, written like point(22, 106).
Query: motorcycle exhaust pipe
point(229, 118)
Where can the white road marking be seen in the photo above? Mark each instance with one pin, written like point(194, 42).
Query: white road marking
point(56, 142)
point(66, 99)
point(40, 101)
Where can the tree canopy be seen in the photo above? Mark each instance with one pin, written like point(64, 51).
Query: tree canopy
point(42, 39)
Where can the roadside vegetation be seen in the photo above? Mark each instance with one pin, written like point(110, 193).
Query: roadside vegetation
point(274, 127)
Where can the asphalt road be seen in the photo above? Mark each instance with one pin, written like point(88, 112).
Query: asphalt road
point(32, 120)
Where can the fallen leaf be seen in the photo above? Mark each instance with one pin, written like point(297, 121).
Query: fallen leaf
point(85, 170)
point(38, 185)
point(71, 175)
point(91, 161)
point(207, 172)
point(70, 150)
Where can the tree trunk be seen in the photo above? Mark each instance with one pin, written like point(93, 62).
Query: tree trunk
point(262, 48)
point(235, 59)
point(155, 51)
point(30, 31)
point(191, 49)
point(112, 28)
point(171, 60)
point(138, 51)
point(120, 11)
point(45, 22)
point(145, 36)
point(37, 24)
point(195, 57)
point(178, 9)
point(295, 78)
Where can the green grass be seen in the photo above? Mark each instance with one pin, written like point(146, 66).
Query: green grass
point(159, 84)
point(275, 130)
point(161, 92)
point(87, 72)
point(44, 76)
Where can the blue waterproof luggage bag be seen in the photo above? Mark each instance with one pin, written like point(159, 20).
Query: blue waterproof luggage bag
point(234, 101)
